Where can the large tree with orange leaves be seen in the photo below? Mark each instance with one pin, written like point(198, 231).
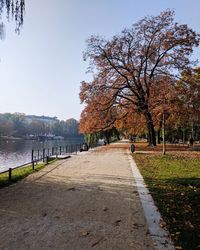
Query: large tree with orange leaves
point(129, 64)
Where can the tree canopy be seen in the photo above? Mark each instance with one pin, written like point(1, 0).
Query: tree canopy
point(129, 67)
point(13, 9)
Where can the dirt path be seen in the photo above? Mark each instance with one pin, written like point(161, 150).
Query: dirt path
point(86, 202)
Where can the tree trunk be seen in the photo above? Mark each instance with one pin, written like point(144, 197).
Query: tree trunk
point(159, 132)
point(107, 137)
point(164, 141)
point(150, 126)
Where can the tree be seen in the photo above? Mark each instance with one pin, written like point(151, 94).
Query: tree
point(14, 9)
point(37, 128)
point(188, 89)
point(71, 127)
point(6, 125)
point(163, 102)
point(128, 65)
point(94, 120)
point(19, 124)
point(131, 125)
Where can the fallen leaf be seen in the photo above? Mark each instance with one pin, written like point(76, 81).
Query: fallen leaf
point(117, 222)
point(84, 233)
point(189, 224)
point(162, 223)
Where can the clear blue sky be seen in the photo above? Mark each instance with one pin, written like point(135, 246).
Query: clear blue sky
point(41, 69)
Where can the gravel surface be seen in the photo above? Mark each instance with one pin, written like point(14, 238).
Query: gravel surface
point(86, 202)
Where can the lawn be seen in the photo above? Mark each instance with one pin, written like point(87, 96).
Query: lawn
point(20, 173)
point(174, 182)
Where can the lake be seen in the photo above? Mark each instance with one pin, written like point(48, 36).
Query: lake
point(17, 152)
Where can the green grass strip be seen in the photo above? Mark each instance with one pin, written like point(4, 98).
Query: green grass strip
point(174, 182)
point(20, 173)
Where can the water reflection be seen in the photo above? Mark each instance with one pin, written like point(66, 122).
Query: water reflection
point(17, 152)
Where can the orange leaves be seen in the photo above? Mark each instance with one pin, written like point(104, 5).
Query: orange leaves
point(163, 96)
point(95, 119)
point(132, 79)
point(83, 91)
point(188, 88)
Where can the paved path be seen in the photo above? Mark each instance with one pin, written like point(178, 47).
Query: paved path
point(86, 202)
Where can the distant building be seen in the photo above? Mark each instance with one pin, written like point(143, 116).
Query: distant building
point(46, 119)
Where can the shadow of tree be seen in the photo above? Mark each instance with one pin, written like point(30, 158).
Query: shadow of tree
point(63, 212)
point(178, 200)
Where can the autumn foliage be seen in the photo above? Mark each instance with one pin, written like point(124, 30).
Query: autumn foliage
point(135, 75)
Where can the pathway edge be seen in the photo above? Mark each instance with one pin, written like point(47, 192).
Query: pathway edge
point(160, 236)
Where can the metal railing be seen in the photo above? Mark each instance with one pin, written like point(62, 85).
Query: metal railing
point(45, 155)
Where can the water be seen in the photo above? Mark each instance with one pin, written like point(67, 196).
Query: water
point(14, 153)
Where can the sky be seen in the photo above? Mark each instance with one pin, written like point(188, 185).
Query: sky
point(42, 68)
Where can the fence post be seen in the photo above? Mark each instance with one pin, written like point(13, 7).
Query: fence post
point(66, 149)
point(47, 159)
point(60, 150)
point(52, 151)
point(56, 152)
point(10, 174)
point(32, 158)
point(43, 154)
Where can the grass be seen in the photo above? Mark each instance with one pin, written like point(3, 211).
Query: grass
point(143, 146)
point(20, 173)
point(174, 182)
